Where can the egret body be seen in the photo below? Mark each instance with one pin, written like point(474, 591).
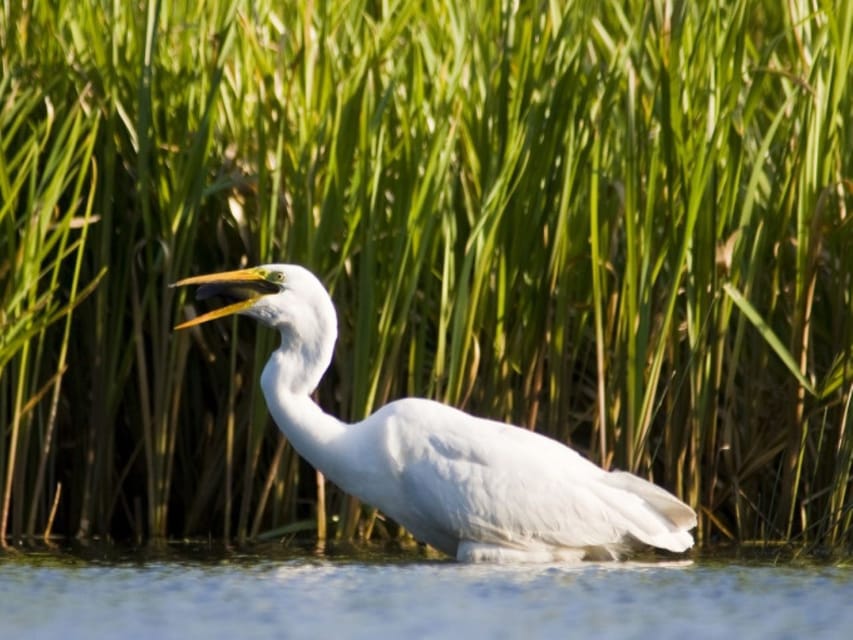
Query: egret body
point(476, 489)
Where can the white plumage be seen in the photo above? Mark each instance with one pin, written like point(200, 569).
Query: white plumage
point(476, 489)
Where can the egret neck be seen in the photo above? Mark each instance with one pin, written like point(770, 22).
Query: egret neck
point(314, 433)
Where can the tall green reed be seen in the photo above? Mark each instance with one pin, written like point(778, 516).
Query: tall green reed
point(621, 224)
point(46, 169)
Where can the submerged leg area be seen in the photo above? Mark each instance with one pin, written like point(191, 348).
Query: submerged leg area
point(470, 551)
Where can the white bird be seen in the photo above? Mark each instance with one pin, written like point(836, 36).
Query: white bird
point(476, 489)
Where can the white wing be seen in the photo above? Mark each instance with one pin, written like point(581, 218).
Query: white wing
point(462, 479)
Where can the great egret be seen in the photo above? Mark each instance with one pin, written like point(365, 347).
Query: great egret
point(476, 489)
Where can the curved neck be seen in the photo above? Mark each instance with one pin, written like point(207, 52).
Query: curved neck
point(316, 435)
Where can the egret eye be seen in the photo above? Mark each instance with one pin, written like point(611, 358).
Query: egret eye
point(276, 277)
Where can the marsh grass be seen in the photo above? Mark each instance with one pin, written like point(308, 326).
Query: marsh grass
point(624, 225)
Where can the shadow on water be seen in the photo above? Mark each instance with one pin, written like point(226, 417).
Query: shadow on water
point(211, 552)
point(201, 553)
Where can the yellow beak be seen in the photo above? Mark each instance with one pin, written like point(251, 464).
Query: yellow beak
point(248, 285)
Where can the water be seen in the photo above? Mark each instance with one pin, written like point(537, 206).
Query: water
point(184, 594)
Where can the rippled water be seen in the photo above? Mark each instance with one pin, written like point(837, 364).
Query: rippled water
point(265, 595)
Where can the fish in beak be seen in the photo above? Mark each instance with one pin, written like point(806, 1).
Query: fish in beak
point(242, 288)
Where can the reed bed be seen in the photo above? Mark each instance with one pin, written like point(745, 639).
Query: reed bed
point(622, 224)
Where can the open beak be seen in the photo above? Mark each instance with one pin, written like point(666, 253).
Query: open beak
point(242, 288)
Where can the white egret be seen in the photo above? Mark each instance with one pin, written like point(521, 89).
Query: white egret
point(476, 489)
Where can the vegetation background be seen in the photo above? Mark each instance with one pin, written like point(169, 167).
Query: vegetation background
point(623, 224)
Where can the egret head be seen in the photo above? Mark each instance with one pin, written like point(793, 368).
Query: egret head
point(286, 297)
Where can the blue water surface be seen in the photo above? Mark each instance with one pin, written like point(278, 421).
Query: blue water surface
point(55, 595)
